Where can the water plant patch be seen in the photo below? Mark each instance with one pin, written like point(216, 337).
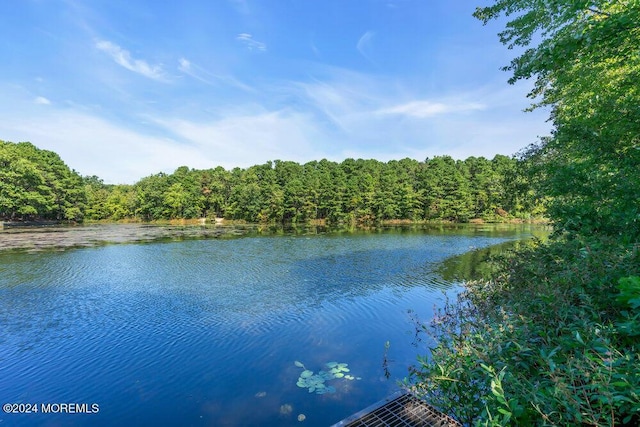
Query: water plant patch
point(316, 382)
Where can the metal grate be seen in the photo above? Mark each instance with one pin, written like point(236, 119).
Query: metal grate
point(400, 409)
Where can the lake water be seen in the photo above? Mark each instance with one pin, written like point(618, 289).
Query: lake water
point(207, 332)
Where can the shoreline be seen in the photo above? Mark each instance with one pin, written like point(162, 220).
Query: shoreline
point(61, 236)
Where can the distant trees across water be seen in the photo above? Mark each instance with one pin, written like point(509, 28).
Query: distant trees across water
point(36, 184)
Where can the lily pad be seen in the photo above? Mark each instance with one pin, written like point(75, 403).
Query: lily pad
point(325, 375)
point(286, 409)
point(315, 382)
point(315, 379)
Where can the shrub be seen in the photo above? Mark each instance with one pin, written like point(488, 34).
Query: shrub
point(550, 340)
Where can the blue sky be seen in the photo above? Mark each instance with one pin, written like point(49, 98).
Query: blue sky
point(125, 89)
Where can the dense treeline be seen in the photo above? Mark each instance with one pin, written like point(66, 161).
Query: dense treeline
point(363, 191)
point(36, 183)
point(553, 336)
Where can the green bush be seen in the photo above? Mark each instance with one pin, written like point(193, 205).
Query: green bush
point(551, 340)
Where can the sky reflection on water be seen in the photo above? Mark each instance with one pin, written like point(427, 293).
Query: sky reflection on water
point(206, 332)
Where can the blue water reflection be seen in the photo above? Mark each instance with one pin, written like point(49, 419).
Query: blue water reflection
point(206, 332)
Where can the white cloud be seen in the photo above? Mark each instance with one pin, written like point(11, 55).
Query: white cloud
point(251, 43)
point(123, 57)
point(315, 50)
point(184, 65)
point(193, 70)
point(94, 146)
point(372, 117)
point(364, 44)
point(251, 137)
point(120, 152)
point(424, 109)
point(41, 100)
point(342, 97)
point(346, 114)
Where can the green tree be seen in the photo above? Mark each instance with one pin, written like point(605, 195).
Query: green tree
point(333, 189)
point(175, 200)
point(36, 183)
point(551, 339)
point(215, 185)
point(184, 198)
point(150, 193)
point(586, 68)
point(96, 193)
point(445, 187)
point(248, 200)
point(406, 190)
point(114, 202)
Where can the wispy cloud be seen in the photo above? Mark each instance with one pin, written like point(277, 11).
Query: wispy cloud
point(96, 146)
point(340, 114)
point(334, 101)
point(250, 135)
point(41, 100)
point(425, 109)
point(375, 116)
point(199, 73)
point(185, 66)
point(123, 57)
point(364, 45)
point(315, 50)
point(251, 43)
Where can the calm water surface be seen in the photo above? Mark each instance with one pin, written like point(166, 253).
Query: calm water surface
point(206, 332)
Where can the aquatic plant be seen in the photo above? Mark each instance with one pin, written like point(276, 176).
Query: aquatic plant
point(286, 409)
point(315, 382)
